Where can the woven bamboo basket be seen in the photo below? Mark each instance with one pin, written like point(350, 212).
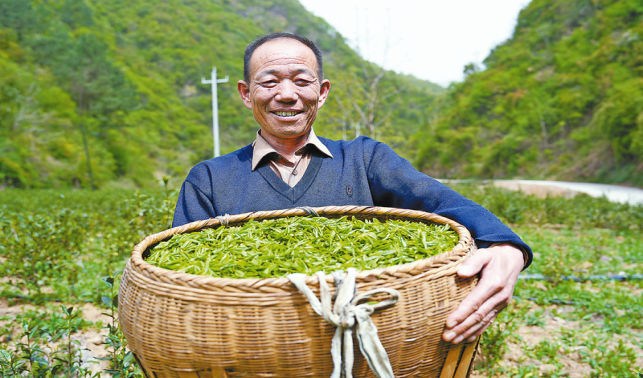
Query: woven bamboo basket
point(183, 325)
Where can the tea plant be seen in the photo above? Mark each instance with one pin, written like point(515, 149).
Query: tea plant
point(35, 354)
point(46, 322)
point(579, 211)
point(56, 245)
point(121, 360)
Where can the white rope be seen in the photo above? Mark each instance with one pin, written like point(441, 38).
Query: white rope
point(345, 314)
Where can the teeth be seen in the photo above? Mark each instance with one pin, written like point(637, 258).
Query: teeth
point(286, 114)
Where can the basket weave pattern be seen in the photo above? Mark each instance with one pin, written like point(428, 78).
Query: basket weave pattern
point(184, 325)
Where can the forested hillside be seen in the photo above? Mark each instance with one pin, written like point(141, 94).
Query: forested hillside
point(561, 99)
point(118, 82)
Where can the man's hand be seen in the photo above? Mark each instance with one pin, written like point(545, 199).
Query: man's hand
point(500, 266)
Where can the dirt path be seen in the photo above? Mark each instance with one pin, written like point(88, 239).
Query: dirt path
point(614, 193)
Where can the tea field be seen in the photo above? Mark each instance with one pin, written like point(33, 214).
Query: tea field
point(61, 253)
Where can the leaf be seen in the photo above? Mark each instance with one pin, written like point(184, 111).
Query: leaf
point(5, 355)
point(107, 301)
point(109, 281)
point(128, 358)
point(66, 310)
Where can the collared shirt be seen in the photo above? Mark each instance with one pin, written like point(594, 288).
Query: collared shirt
point(291, 171)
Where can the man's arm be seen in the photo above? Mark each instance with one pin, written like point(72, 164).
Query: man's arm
point(395, 183)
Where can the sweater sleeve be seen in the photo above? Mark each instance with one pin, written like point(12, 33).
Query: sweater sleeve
point(192, 205)
point(195, 200)
point(395, 182)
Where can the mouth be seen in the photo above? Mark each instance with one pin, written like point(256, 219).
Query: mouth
point(286, 114)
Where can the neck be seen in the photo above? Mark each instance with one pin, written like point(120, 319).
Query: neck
point(286, 147)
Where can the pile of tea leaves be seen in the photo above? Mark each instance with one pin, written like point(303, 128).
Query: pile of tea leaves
point(278, 247)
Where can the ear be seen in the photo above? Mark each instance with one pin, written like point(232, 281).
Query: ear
point(323, 92)
point(244, 91)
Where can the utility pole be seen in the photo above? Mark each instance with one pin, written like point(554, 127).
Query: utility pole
point(215, 107)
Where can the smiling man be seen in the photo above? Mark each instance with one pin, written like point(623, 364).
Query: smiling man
point(289, 166)
point(284, 88)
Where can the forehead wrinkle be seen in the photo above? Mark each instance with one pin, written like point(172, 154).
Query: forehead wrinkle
point(262, 60)
point(280, 61)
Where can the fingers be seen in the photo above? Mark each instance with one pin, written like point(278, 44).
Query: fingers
point(475, 263)
point(476, 306)
point(476, 329)
point(488, 286)
point(472, 309)
point(479, 320)
point(477, 333)
point(500, 267)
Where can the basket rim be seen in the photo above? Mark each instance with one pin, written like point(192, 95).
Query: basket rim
point(454, 256)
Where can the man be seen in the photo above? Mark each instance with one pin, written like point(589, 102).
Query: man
point(289, 166)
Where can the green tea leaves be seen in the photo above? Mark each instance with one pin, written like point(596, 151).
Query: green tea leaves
point(277, 247)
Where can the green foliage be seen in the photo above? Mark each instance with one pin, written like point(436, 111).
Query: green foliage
point(122, 362)
point(599, 322)
point(579, 211)
point(48, 324)
point(126, 78)
point(493, 344)
point(63, 241)
point(57, 247)
point(596, 325)
point(562, 98)
point(31, 355)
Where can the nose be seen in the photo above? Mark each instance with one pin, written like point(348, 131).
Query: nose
point(286, 92)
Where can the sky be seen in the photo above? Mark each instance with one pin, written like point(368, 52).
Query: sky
point(430, 39)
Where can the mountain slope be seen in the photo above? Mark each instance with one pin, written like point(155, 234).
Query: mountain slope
point(118, 82)
point(561, 99)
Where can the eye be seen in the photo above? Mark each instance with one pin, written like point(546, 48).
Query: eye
point(302, 82)
point(269, 83)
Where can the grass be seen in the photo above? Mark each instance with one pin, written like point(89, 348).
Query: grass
point(67, 247)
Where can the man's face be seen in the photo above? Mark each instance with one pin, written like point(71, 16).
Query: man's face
point(284, 91)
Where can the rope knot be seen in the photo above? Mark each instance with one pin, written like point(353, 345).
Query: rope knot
point(224, 220)
point(346, 313)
